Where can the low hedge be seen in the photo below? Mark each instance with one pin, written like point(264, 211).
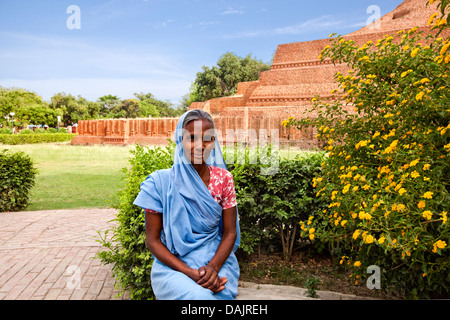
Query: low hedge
point(272, 206)
point(13, 139)
point(17, 174)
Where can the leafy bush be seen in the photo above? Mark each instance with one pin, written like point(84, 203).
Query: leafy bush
point(126, 249)
point(17, 175)
point(14, 139)
point(388, 173)
point(39, 130)
point(26, 131)
point(62, 130)
point(273, 205)
point(5, 130)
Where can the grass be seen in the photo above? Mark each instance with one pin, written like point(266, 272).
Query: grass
point(73, 177)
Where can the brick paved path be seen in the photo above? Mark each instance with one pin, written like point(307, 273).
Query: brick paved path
point(48, 255)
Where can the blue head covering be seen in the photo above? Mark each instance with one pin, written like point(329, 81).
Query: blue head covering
point(191, 217)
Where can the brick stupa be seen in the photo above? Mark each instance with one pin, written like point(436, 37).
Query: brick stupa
point(296, 76)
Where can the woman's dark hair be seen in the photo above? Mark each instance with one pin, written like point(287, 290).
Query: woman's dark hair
point(197, 114)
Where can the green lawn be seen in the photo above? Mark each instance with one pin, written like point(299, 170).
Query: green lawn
point(75, 176)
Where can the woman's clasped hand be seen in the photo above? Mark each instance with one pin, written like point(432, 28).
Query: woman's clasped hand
point(208, 278)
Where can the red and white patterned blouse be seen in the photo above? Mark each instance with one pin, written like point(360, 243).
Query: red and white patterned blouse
point(221, 187)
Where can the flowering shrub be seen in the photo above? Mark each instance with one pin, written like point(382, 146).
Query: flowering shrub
point(388, 171)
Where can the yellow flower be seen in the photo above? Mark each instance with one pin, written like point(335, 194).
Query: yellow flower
point(414, 52)
point(430, 21)
point(363, 215)
point(343, 222)
point(447, 147)
point(402, 191)
point(421, 204)
point(413, 163)
point(356, 234)
point(415, 174)
point(444, 217)
point(369, 239)
point(311, 236)
point(365, 58)
point(311, 230)
point(426, 166)
point(357, 264)
point(420, 95)
point(444, 49)
point(427, 214)
point(381, 240)
point(362, 143)
point(439, 244)
point(404, 74)
point(346, 188)
point(428, 195)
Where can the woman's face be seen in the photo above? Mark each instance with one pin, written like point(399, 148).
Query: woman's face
point(198, 140)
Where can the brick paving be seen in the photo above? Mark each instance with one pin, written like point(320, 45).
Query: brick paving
point(48, 255)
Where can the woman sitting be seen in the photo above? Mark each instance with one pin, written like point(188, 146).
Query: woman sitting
point(191, 217)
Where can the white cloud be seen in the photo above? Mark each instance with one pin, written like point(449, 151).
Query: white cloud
point(320, 23)
point(231, 10)
point(207, 23)
point(326, 22)
point(162, 24)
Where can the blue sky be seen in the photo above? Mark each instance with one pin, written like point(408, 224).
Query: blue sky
point(156, 46)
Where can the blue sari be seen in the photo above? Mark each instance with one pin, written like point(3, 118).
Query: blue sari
point(192, 226)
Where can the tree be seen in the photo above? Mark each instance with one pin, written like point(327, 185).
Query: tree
point(107, 104)
point(39, 115)
point(222, 80)
point(74, 109)
point(16, 99)
point(154, 107)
